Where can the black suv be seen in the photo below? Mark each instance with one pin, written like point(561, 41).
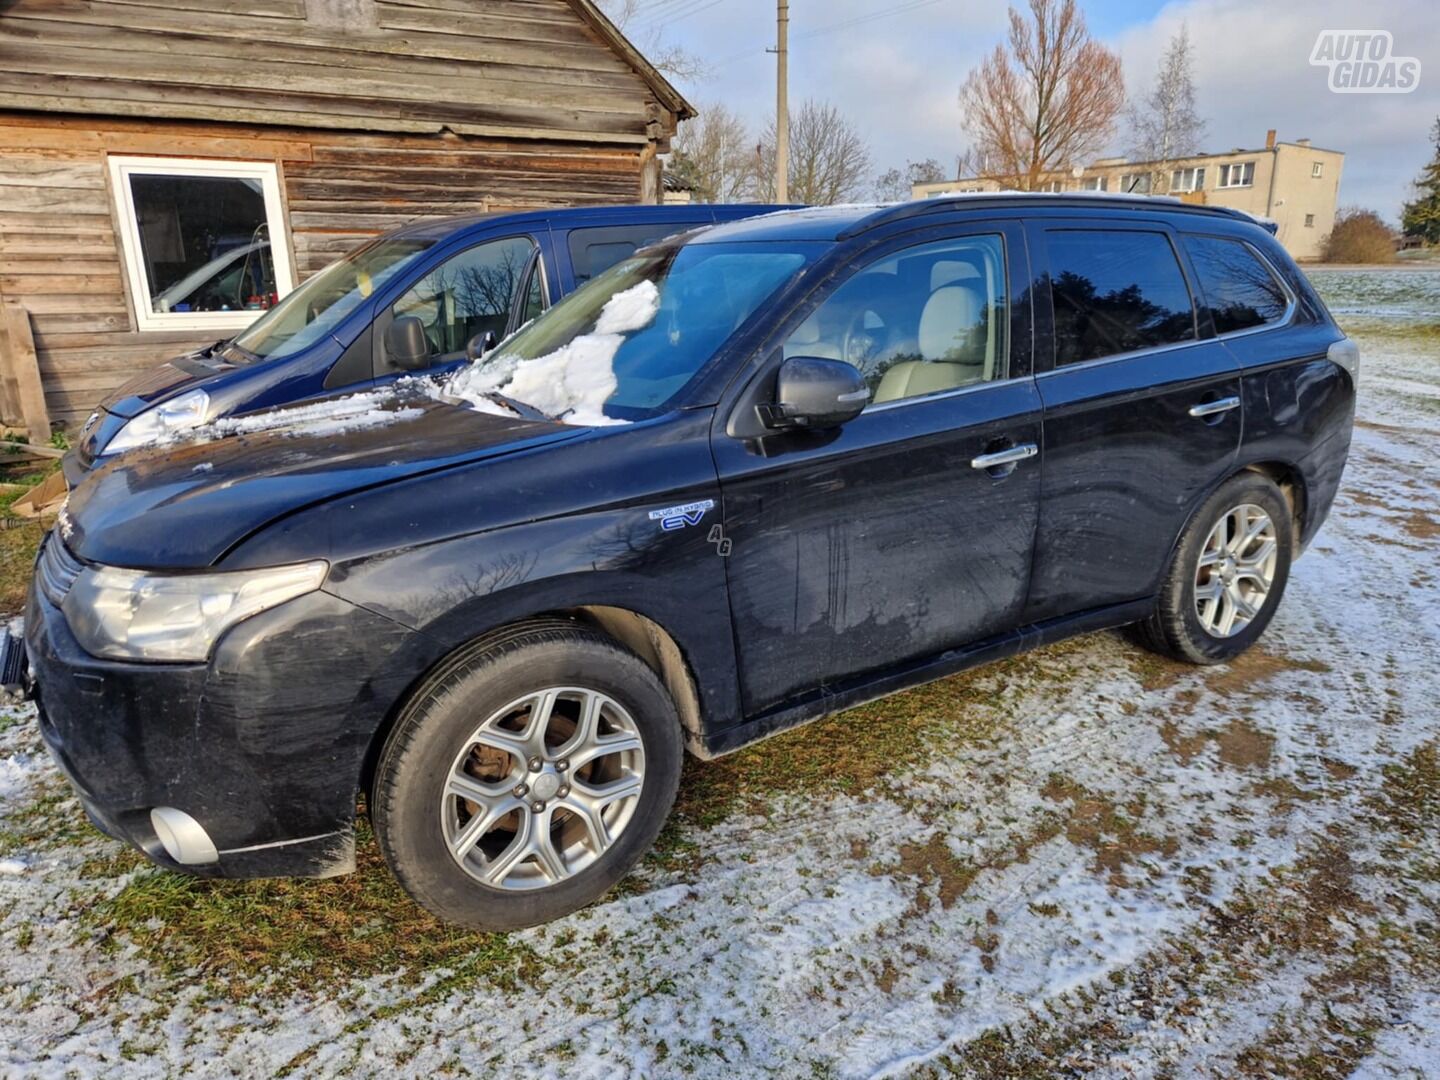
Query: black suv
point(749, 476)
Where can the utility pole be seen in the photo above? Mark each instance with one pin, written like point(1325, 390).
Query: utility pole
point(782, 101)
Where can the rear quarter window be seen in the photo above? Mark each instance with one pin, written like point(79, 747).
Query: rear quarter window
point(595, 250)
point(1116, 292)
point(1238, 288)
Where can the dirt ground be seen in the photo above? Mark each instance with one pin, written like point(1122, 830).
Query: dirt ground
point(1084, 861)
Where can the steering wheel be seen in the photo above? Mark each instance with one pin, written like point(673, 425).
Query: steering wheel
point(861, 344)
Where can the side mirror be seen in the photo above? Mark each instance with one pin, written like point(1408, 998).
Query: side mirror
point(479, 345)
point(813, 393)
point(406, 344)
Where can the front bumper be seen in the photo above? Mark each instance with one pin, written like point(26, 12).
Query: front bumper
point(262, 746)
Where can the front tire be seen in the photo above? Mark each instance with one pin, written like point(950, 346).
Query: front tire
point(527, 777)
point(1226, 575)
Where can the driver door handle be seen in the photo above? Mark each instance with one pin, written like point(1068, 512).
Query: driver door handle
point(1005, 457)
point(1210, 408)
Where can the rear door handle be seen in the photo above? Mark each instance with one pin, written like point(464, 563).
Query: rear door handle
point(1210, 408)
point(1007, 456)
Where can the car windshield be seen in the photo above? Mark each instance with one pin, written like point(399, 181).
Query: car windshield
point(313, 310)
point(625, 344)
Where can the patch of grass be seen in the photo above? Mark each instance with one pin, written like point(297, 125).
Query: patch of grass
point(866, 747)
point(1409, 798)
point(292, 933)
point(19, 537)
point(51, 818)
point(1100, 824)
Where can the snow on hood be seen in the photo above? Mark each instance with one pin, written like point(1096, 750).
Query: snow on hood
point(573, 382)
point(332, 416)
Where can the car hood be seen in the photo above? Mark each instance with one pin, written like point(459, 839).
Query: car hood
point(138, 394)
point(186, 505)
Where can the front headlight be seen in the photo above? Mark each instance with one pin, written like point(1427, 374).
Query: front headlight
point(156, 425)
point(135, 615)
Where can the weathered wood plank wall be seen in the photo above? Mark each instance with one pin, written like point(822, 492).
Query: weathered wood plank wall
point(60, 254)
point(376, 112)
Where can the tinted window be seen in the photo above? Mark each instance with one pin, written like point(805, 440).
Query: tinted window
point(1115, 292)
point(469, 294)
point(593, 251)
point(1239, 289)
point(921, 321)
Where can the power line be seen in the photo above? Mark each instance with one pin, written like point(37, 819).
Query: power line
point(874, 16)
point(683, 10)
point(844, 24)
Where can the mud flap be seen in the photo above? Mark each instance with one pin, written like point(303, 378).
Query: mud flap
point(14, 685)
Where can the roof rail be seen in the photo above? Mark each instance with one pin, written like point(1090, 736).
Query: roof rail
point(939, 203)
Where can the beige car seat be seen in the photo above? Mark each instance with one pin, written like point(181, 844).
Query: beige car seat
point(952, 354)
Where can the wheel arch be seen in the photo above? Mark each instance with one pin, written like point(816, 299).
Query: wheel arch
point(1284, 475)
point(1291, 482)
point(639, 633)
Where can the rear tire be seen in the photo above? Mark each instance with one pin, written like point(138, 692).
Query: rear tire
point(1226, 575)
point(526, 777)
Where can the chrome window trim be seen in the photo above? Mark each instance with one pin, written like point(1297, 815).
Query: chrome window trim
point(941, 394)
point(1099, 360)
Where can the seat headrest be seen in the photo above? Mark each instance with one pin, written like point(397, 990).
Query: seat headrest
point(951, 271)
point(947, 326)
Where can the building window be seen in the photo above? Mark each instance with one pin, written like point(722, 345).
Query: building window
point(1050, 185)
point(204, 241)
point(1135, 183)
point(1309, 221)
point(1317, 169)
point(1095, 183)
point(1187, 179)
point(1241, 174)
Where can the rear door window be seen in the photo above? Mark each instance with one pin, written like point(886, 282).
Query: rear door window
point(1116, 292)
point(1238, 288)
point(595, 250)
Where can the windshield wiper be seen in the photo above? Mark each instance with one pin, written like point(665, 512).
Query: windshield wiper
point(529, 412)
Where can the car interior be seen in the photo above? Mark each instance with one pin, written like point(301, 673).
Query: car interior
point(921, 322)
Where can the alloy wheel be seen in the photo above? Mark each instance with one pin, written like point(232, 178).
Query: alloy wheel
point(1236, 570)
point(543, 788)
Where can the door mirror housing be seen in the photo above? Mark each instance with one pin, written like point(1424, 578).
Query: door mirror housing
point(406, 344)
point(813, 393)
point(480, 344)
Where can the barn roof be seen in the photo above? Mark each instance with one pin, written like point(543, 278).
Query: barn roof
point(665, 91)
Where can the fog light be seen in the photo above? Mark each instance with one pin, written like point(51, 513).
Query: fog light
point(182, 837)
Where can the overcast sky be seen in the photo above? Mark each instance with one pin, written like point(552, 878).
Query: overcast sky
point(897, 75)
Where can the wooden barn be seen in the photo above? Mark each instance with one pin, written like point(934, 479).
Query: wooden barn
point(151, 147)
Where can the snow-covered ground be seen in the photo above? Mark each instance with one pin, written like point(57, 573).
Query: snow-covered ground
point(1101, 863)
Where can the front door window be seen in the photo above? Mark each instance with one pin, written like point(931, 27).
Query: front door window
point(925, 320)
point(468, 295)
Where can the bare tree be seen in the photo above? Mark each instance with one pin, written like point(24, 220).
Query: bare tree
point(1046, 103)
point(829, 159)
point(716, 155)
point(669, 58)
point(1166, 126)
point(895, 185)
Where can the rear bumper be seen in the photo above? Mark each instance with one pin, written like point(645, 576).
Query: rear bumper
point(260, 746)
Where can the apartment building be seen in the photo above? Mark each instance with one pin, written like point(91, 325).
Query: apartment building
point(1294, 184)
